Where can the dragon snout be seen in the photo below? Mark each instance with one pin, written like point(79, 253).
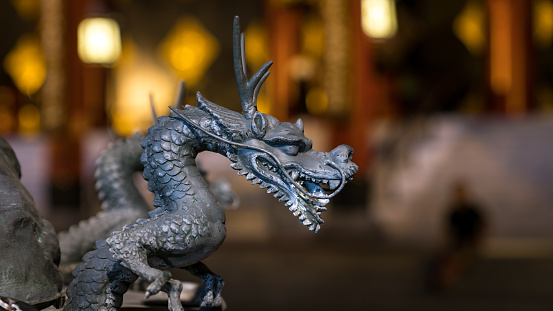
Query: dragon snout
point(342, 154)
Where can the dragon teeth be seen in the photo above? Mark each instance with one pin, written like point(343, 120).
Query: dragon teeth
point(250, 176)
point(296, 213)
point(293, 208)
point(236, 166)
point(323, 202)
point(294, 174)
point(333, 184)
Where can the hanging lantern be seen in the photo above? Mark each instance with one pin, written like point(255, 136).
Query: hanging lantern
point(378, 18)
point(99, 40)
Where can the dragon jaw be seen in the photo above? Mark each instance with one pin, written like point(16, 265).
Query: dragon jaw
point(302, 182)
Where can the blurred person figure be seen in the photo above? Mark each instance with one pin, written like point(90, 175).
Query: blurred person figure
point(465, 226)
point(465, 220)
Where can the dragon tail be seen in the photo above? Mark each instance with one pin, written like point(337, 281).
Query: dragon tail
point(99, 282)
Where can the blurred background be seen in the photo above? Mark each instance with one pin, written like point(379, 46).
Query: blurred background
point(429, 93)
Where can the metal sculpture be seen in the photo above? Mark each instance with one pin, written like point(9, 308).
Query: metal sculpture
point(188, 223)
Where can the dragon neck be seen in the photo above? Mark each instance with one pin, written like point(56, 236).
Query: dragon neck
point(169, 162)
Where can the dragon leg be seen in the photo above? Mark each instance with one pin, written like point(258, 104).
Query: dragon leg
point(159, 280)
point(213, 285)
point(139, 266)
point(173, 288)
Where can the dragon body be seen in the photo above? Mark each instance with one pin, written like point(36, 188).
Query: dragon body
point(122, 203)
point(188, 224)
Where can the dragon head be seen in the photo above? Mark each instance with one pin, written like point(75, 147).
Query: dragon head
point(280, 159)
point(276, 155)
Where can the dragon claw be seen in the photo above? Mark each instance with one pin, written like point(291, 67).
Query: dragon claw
point(173, 289)
point(157, 284)
point(212, 296)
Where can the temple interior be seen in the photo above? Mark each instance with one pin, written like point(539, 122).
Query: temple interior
point(439, 100)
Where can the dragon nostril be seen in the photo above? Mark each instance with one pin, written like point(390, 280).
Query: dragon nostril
point(342, 154)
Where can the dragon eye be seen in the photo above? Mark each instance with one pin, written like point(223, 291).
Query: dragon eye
point(292, 150)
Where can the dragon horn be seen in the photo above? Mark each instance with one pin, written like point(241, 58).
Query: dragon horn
point(247, 89)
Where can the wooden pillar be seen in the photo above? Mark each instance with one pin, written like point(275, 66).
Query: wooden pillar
point(73, 97)
point(86, 83)
point(52, 32)
point(364, 90)
point(509, 54)
point(283, 24)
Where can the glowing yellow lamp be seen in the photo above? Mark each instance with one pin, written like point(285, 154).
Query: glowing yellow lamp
point(378, 18)
point(99, 40)
point(26, 64)
point(190, 50)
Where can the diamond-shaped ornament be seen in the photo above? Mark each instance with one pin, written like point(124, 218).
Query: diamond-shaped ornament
point(190, 49)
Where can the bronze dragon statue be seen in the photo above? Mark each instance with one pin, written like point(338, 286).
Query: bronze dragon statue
point(188, 223)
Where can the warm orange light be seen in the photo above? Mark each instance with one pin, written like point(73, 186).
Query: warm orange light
point(468, 26)
point(190, 49)
point(28, 9)
point(29, 119)
point(99, 40)
point(316, 101)
point(256, 45)
point(543, 23)
point(26, 65)
point(7, 104)
point(263, 104)
point(136, 76)
point(313, 37)
point(500, 47)
point(378, 18)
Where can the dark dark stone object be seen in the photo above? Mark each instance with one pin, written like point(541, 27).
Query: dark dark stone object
point(29, 247)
